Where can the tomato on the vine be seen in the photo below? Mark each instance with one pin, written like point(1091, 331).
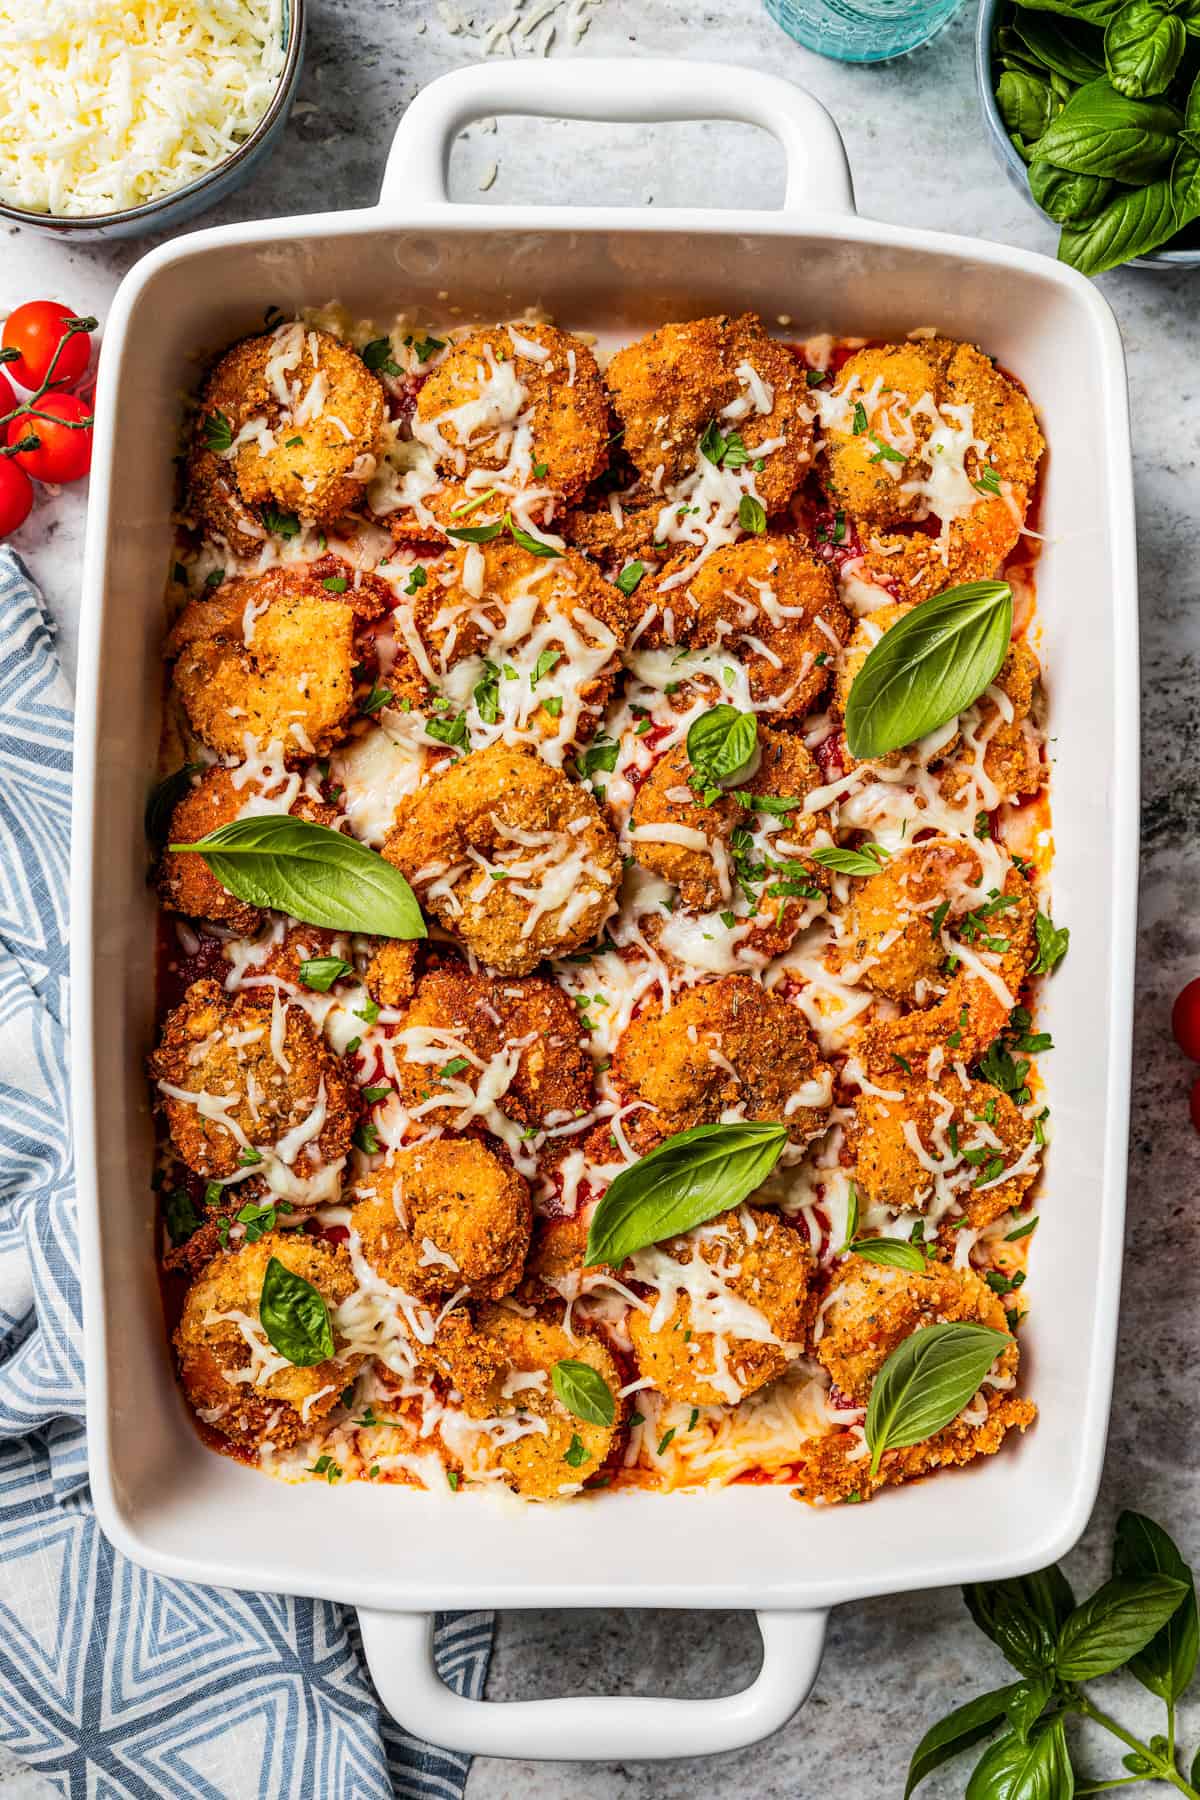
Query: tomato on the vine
point(1185, 1019)
point(16, 496)
point(64, 451)
point(7, 398)
point(35, 331)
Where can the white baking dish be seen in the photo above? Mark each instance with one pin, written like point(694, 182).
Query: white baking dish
point(164, 1499)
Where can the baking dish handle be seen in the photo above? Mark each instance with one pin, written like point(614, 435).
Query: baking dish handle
point(399, 1651)
point(617, 91)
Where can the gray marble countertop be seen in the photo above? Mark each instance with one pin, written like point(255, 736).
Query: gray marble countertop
point(919, 156)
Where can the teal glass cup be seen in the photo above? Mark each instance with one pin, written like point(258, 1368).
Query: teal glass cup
point(862, 30)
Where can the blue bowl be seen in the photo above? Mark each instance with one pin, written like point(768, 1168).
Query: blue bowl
point(167, 211)
point(1015, 169)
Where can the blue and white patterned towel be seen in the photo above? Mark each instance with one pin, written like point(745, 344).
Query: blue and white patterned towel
point(114, 1682)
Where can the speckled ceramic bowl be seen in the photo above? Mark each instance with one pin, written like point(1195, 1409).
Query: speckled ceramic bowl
point(1014, 168)
point(170, 210)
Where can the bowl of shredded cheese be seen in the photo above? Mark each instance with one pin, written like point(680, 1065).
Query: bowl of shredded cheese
point(119, 117)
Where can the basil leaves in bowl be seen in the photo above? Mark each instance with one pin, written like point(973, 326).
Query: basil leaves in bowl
point(1093, 107)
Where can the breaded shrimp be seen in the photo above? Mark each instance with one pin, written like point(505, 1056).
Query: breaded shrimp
point(672, 796)
point(503, 1366)
point(220, 1340)
point(892, 929)
point(718, 1344)
point(528, 645)
point(268, 660)
point(870, 1310)
point(185, 883)
point(921, 1145)
point(670, 386)
point(292, 421)
point(442, 1216)
point(509, 855)
point(390, 976)
point(460, 1017)
point(766, 601)
point(724, 1045)
point(523, 401)
point(245, 1084)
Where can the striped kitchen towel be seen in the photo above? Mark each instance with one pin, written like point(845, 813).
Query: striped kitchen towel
point(114, 1682)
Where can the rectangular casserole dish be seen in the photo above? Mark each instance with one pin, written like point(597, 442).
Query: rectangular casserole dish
point(161, 1496)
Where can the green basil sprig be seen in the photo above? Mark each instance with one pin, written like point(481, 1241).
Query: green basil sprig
point(926, 1382)
point(868, 860)
point(294, 1317)
point(928, 666)
point(584, 1392)
point(892, 1253)
point(1144, 1619)
point(312, 872)
point(683, 1182)
point(721, 742)
point(1143, 47)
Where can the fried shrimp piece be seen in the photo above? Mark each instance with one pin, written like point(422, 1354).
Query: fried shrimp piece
point(995, 943)
point(709, 1343)
point(617, 528)
point(502, 1364)
point(511, 856)
point(516, 399)
point(465, 1028)
point(185, 883)
point(269, 659)
point(291, 420)
point(892, 928)
point(236, 1076)
point(767, 601)
point(390, 977)
point(975, 547)
point(870, 1310)
point(923, 1145)
point(445, 1215)
point(551, 629)
point(667, 798)
point(897, 412)
point(232, 1374)
point(724, 1045)
point(670, 386)
point(1001, 720)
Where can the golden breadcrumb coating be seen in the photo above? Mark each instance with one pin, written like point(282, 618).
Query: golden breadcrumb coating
point(975, 1133)
point(442, 1216)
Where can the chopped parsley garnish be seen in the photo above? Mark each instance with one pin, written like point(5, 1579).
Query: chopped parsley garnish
point(179, 1215)
point(218, 433)
point(336, 584)
point(320, 972)
point(630, 576)
point(578, 1453)
point(376, 700)
point(280, 524)
point(860, 418)
point(452, 1480)
point(983, 826)
point(988, 482)
point(257, 1220)
point(417, 578)
point(938, 919)
point(454, 1067)
point(378, 356)
point(366, 1138)
point(884, 452)
point(1051, 945)
point(249, 1157)
point(214, 578)
point(1022, 1231)
point(815, 377)
point(369, 1014)
point(451, 731)
point(725, 450)
point(379, 1092)
point(665, 1439)
point(543, 665)
point(426, 347)
point(325, 1465)
point(599, 757)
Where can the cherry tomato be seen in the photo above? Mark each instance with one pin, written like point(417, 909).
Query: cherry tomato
point(1185, 1020)
point(35, 331)
point(65, 451)
point(1195, 1104)
point(16, 496)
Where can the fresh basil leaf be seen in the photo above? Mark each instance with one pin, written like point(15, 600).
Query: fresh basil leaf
point(683, 1182)
point(1143, 47)
point(1070, 49)
point(179, 1215)
point(928, 666)
point(1185, 177)
point(1194, 1776)
point(721, 742)
point(600, 757)
point(1168, 1662)
point(891, 1253)
point(630, 576)
point(164, 799)
point(294, 1317)
point(1026, 104)
point(1102, 132)
point(378, 356)
point(1028, 1703)
point(965, 1726)
point(448, 728)
point(1052, 944)
point(320, 972)
point(1116, 1623)
point(1038, 1770)
point(278, 523)
point(1089, 12)
point(1022, 1618)
point(311, 872)
point(584, 1392)
point(1066, 197)
point(867, 861)
point(1136, 221)
point(926, 1382)
point(535, 545)
point(752, 514)
point(218, 433)
point(475, 534)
